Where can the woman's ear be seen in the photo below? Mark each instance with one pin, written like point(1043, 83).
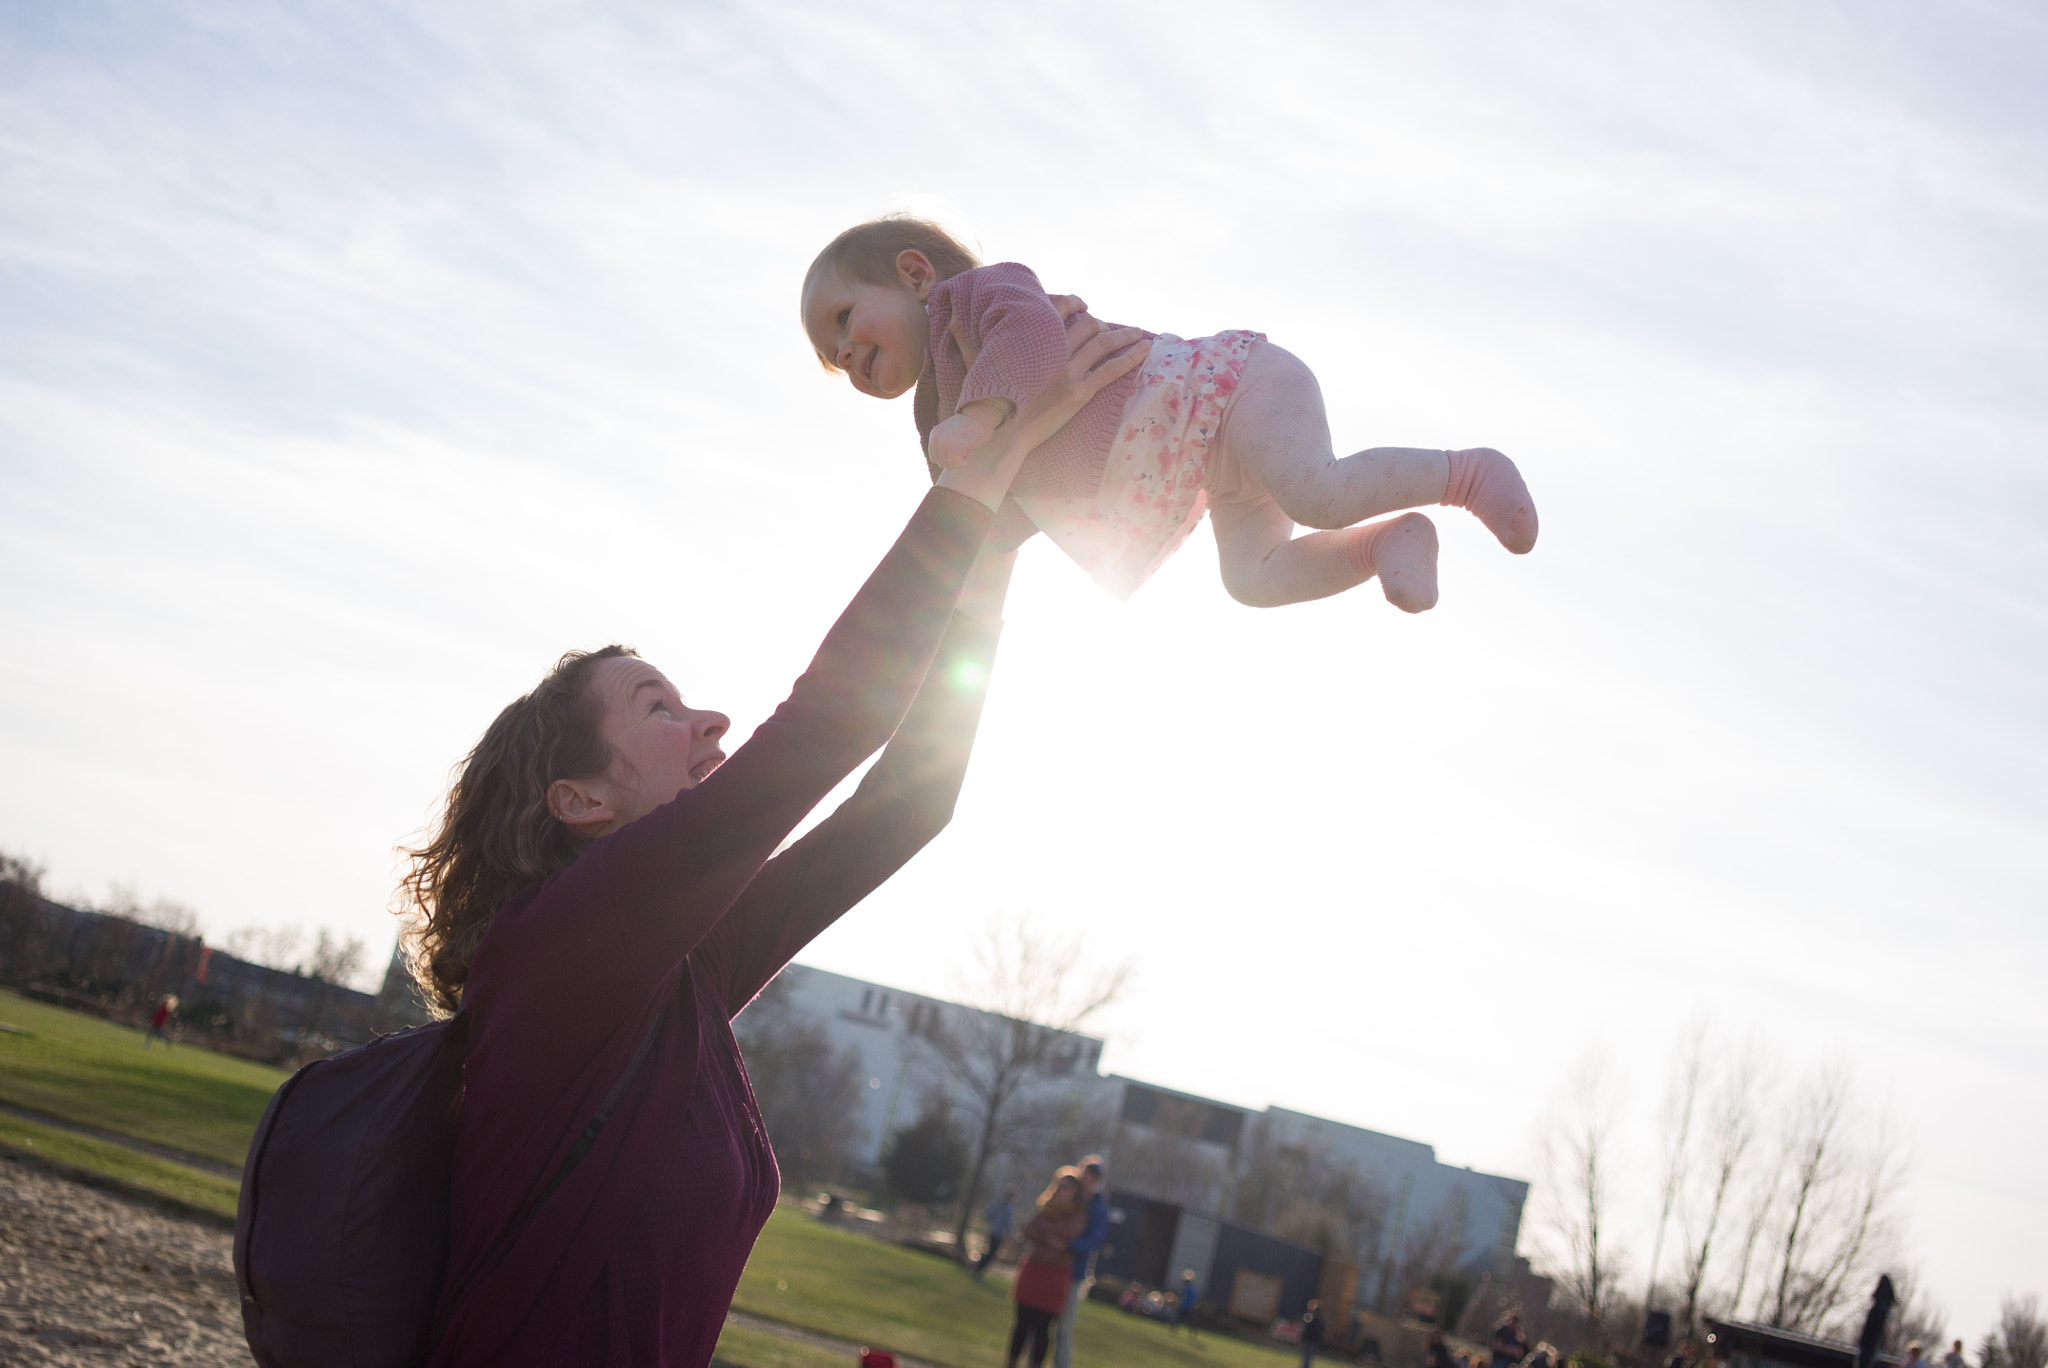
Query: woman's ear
point(917, 273)
point(580, 805)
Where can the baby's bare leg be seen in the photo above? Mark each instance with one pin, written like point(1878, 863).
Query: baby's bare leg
point(1278, 435)
point(1266, 565)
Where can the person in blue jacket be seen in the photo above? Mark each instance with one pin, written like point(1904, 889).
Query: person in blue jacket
point(1083, 1247)
point(1002, 1219)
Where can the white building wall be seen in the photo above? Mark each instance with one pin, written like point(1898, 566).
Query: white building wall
point(1487, 1208)
point(882, 1026)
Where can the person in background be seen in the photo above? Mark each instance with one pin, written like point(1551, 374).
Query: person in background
point(1002, 1219)
point(1083, 1247)
point(1509, 1344)
point(1954, 1357)
point(1184, 1309)
point(1042, 1282)
point(160, 1021)
point(1916, 1356)
point(1311, 1332)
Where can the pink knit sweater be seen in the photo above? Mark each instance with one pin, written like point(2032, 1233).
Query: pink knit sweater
point(995, 334)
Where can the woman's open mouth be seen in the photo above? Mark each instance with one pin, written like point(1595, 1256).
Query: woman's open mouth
point(701, 771)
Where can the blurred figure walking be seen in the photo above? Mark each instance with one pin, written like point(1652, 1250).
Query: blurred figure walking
point(1311, 1332)
point(1002, 1219)
point(160, 1021)
point(1184, 1310)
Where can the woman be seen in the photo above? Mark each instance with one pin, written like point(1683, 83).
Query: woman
point(599, 900)
point(1040, 1288)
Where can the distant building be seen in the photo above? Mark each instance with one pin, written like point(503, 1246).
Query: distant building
point(891, 1032)
point(1200, 1159)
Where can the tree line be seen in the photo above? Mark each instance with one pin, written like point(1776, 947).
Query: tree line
point(1776, 1201)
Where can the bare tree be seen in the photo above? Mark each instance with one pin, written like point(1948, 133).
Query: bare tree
point(274, 946)
point(1300, 1193)
point(1733, 1121)
point(165, 914)
point(2022, 1333)
point(1429, 1249)
point(1915, 1318)
point(1034, 1000)
point(334, 960)
point(1681, 1101)
point(1166, 1158)
point(21, 873)
point(1842, 1174)
point(1578, 1155)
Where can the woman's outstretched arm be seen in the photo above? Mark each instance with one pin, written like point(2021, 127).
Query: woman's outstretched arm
point(900, 805)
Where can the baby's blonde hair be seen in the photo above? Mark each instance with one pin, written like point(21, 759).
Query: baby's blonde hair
point(866, 253)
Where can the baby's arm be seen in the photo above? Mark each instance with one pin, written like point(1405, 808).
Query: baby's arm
point(1016, 343)
point(967, 431)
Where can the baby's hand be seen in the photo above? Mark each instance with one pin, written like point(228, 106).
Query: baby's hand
point(958, 438)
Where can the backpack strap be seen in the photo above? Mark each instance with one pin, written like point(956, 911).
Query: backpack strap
point(581, 1149)
point(576, 1155)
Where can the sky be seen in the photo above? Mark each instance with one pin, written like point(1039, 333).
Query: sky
point(359, 359)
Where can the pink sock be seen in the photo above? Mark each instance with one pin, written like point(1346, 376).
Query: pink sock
point(1487, 483)
point(1402, 552)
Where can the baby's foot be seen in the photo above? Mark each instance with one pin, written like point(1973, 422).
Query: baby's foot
point(1402, 552)
point(1487, 483)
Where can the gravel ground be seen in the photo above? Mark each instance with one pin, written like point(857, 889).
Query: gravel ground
point(88, 1278)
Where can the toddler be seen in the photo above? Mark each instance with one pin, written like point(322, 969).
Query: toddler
point(1230, 424)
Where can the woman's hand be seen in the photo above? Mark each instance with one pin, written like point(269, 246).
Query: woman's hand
point(1095, 357)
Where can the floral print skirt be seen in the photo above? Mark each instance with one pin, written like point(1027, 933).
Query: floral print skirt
point(1151, 495)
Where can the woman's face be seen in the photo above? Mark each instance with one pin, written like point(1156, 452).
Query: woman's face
point(1069, 1189)
point(660, 745)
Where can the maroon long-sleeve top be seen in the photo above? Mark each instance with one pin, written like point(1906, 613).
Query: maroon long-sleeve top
point(683, 915)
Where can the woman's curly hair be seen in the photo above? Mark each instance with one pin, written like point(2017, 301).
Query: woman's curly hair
point(496, 835)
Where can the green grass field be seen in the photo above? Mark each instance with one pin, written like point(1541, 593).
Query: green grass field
point(96, 1073)
point(802, 1273)
point(752, 1348)
point(127, 1168)
point(838, 1283)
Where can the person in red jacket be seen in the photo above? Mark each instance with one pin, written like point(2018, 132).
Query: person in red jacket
point(160, 1021)
point(602, 895)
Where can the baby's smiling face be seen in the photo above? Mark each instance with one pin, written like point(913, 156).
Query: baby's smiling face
point(877, 334)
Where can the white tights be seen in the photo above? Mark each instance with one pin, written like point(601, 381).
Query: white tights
point(1277, 468)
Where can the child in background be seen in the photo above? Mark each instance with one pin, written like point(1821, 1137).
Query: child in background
point(1230, 423)
point(1184, 1309)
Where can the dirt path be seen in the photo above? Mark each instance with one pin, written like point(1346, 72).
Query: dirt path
point(88, 1278)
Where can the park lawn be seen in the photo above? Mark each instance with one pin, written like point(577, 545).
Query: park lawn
point(83, 1069)
point(752, 1348)
point(125, 1166)
point(808, 1274)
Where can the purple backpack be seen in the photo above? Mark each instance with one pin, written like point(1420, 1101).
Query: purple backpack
point(341, 1235)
